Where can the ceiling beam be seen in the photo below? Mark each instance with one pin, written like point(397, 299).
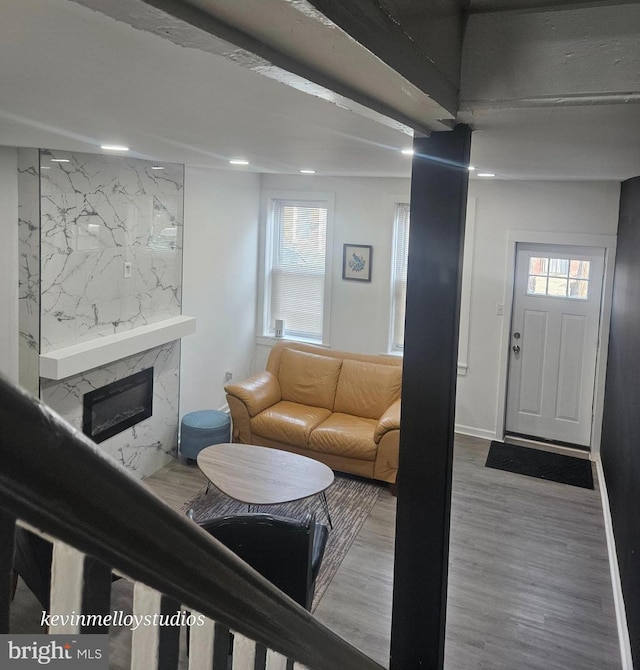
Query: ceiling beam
point(194, 27)
point(552, 59)
point(377, 29)
point(491, 6)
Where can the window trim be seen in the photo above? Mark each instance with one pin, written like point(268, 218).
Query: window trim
point(391, 348)
point(264, 331)
point(465, 297)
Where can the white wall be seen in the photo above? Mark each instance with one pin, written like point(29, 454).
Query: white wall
point(360, 311)
point(9, 262)
point(363, 214)
point(503, 206)
point(221, 210)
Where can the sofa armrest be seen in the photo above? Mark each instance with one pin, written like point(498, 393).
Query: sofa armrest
point(390, 420)
point(257, 392)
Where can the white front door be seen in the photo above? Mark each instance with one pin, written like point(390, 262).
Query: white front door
point(554, 342)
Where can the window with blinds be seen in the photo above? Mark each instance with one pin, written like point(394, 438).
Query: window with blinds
point(399, 275)
point(298, 263)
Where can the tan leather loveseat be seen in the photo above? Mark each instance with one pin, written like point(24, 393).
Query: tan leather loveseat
point(342, 409)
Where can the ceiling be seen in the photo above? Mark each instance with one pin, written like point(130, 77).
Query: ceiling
point(78, 78)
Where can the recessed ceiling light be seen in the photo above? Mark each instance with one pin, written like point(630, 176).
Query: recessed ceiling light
point(307, 171)
point(59, 160)
point(239, 161)
point(157, 167)
point(407, 152)
point(471, 168)
point(45, 167)
point(486, 174)
point(113, 147)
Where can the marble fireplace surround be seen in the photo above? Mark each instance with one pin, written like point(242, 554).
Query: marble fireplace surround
point(101, 285)
point(141, 449)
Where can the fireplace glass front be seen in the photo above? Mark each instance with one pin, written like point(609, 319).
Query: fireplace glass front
point(111, 409)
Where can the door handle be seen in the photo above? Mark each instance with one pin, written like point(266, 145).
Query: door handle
point(516, 348)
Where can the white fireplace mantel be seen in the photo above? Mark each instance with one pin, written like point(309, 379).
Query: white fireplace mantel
point(68, 361)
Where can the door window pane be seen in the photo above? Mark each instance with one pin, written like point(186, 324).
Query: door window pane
point(557, 287)
point(537, 286)
point(559, 277)
point(558, 267)
point(580, 269)
point(538, 266)
point(579, 289)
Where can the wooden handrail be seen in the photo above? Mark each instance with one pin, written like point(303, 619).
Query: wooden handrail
point(56, 479)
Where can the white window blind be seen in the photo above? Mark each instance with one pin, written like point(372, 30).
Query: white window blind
point(299, 241)
point(399, 278)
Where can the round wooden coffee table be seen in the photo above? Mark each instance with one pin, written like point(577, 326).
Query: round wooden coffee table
point(264, 476)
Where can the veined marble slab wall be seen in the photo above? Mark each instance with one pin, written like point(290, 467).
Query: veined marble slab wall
point(82, 218)
point(98, 213)
point(147, 446)
point(29, 268)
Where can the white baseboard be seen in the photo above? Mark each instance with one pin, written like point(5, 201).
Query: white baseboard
point(621, 615)
point(224, 408)
point(475, 432)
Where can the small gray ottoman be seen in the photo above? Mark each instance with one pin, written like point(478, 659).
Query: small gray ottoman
point(202, 429)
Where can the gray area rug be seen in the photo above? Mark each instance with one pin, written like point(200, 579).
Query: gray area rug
point(350, 502)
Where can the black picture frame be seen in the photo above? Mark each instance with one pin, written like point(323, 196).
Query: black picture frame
point(356, 262)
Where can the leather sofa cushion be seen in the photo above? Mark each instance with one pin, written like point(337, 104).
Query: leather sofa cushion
point(346, 435)
point(308, 379)
point(288, 422)
point(367, 389)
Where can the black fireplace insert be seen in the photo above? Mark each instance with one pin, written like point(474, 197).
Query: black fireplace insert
point(115, 407)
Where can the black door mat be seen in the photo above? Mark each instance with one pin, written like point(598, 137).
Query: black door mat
point(541, 464)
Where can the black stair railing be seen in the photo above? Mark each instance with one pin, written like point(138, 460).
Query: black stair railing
point(57, 480)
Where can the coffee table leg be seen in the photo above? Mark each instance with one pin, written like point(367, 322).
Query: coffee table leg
point(208, 487)
point(325, 507)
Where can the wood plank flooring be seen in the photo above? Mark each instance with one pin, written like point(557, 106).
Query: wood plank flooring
point(357, 603)
point(529, 585)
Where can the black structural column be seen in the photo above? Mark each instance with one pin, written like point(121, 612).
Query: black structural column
point(438, 205)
